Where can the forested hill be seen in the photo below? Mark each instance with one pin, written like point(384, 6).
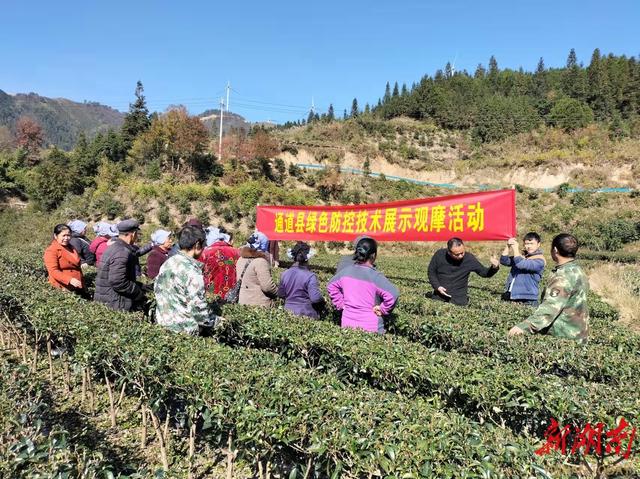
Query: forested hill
point(494, 103)
point(62, 120)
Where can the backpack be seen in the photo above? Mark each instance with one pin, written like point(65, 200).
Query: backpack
point(233, 295)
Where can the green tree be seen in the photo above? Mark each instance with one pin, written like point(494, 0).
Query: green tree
point(500, 117)
point(569, 114)
point(387, 93)
point(573, 78)
point(84, 162)
point(599, 94)
point(330, 113)
point(480, 72)
point(354, 108)
point(396, 92)
point(540, 80)
point(493, 72)
point(52, 180)
point(137, 119)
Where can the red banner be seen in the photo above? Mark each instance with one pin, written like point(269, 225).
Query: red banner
point(485, 216)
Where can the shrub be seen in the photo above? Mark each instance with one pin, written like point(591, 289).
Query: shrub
point(587, 199)
point(570, 114)
point(563, 190)
point(50, 181)
point(164, 217)
point(105, 204)
point(184, 205)
point(295, 170)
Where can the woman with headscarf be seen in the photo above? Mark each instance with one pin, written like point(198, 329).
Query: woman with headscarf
point(253, 271)
point(63, 262)
point(219, 259)
point(162, 242)
point(80, 243)
point(105, 232)
point(298, 286)
point(361, 292)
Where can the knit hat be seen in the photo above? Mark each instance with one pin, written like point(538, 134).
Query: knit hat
point(77, 226)
point(100, 227)
point(159, 237)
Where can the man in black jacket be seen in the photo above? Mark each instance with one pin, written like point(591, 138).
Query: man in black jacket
point(116, 284)
point(449, 272)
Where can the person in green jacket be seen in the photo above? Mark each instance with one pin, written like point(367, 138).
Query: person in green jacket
point(564, 311)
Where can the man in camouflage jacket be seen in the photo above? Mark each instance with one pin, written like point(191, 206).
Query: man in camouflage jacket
point(179, 288)
point(564, 312)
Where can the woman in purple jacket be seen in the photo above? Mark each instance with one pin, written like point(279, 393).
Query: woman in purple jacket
point(362, 293)
point(299, 286)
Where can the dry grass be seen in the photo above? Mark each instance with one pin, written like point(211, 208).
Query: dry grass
point(619, 285)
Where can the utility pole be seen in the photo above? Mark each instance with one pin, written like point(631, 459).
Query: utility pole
point(221, 116)
point(228, 88)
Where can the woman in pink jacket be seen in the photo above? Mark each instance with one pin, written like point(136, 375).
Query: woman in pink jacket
point(105, 232)
point(361, 292)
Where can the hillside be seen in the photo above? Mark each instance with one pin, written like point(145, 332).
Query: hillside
point(62, 120)
point(421, 151)
point(232, 122)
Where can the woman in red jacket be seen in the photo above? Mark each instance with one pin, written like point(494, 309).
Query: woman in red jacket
point(63, 262)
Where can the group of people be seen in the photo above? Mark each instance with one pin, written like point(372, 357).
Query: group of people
point(203, 260)
point(563, 312)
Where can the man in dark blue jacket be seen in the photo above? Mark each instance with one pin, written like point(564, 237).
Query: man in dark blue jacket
point(523, 282)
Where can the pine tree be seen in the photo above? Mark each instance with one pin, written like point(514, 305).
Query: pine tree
point(344, 114)
point(387, 94)
point(367, 109)
point(354, 108)
point(540, 81)
point(396, 92)
point(330, 114)
point(480, 72)
point(630, 104)
point(404, 91)
point(84, 162)
point(493, 72)
point(137, 119)
point(599, 94)
point(572, 59)
point(310, 117)
point(573, 78)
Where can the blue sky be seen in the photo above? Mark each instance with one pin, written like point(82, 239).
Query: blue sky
point(278, 55)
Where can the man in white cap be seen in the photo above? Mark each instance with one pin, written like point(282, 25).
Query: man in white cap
point(116, 284)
